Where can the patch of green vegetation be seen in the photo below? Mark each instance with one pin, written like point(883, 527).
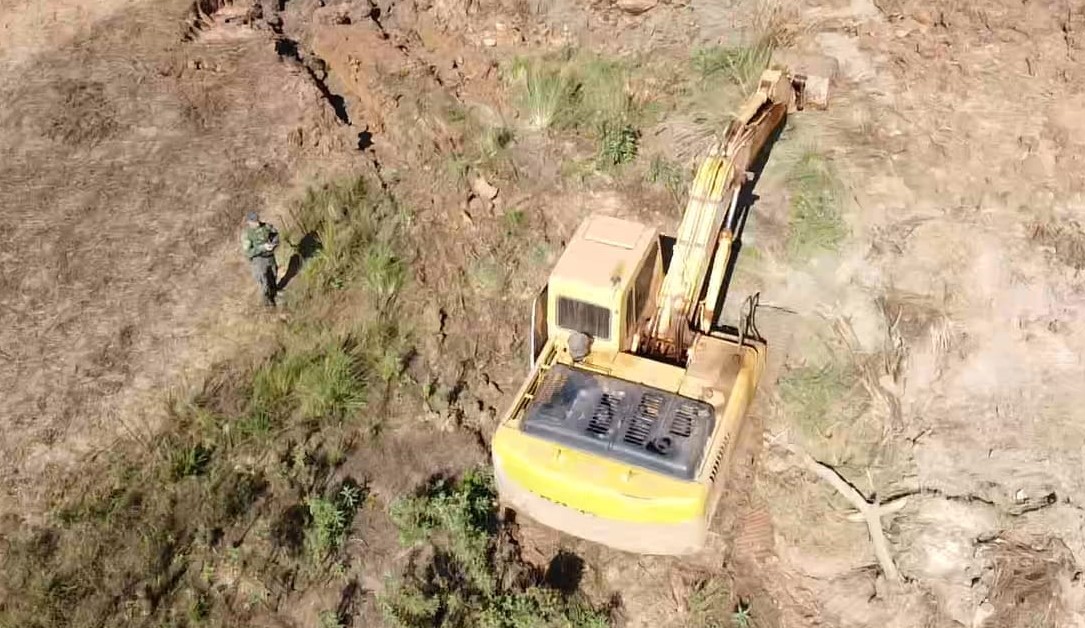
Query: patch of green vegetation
point(488, 275)
point(742, 617)
point(330, 519)
point(709, 604)
point(383, 272)
point(187, 460)
point(330, 619)
point(617, 143)
point(671, 176)
point(480, 143)
point(548, 90)
point(579, 170)
point(815, 224)
point(320, 378)
point(342, 230)
point(199, 609)
point(458, 166)
point(584, 93)
point(515, 219)
point(741, 65)
point(332, 385)
point(817, 397)
point(466, 583)
point(136, 539)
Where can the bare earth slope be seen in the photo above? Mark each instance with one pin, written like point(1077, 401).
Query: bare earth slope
point(128, 164)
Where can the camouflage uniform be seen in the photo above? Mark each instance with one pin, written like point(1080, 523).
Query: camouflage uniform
point(254, 242)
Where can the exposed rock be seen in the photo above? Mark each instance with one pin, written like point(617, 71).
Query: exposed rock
point(476, 205)
point(483, 188)
point(636, 7)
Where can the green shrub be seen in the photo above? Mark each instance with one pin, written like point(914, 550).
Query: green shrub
point(329, 520)
point(617, 143)
point(467, 584)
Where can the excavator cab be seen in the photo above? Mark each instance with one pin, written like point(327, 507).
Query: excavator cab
point(602, 287)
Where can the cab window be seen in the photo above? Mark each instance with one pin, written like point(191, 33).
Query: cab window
point(584, 317)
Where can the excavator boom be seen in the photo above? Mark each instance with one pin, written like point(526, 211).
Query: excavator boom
point(702, 248)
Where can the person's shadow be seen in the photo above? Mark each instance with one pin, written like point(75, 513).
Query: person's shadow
point(307, 247)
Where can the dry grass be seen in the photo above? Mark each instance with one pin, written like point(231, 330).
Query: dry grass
point(1029, 579)
point(1065, 238)
point(778, 23)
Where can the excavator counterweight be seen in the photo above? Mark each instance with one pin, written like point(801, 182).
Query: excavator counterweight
point(624, 428)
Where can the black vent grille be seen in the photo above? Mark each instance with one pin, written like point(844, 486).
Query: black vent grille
point(650, 405)
point(682, 423)
point(551, 384)
point(623, 421)
point(640, 427)
point(716, 466)
point(603, 417)
point(549, 398)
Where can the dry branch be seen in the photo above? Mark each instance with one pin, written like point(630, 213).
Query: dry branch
point(871, 511)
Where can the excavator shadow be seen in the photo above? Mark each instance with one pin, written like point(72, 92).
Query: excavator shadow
point(746, 200)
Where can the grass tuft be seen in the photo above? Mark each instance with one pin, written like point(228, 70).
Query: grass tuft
point(815, 224)
point(354, 232)
point(330, 619)
point(587, 93)
point(671, 176)
point(741, 65)
point(189, 460)
point(813, 396)
point(332, 386)
point(709, 604)
point(547, 91)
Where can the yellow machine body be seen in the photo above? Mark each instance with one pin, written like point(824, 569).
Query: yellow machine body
point(590, 495)
point(625, 426)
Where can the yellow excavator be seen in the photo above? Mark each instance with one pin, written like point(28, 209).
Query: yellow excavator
point(623, 431)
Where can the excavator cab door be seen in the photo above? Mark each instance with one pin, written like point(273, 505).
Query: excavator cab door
point(539, 325)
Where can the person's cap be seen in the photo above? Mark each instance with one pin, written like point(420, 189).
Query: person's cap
point(252, 217)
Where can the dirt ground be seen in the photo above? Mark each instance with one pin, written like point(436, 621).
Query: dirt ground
point(136, 134)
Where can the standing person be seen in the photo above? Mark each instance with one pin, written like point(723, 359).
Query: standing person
point(259, 241)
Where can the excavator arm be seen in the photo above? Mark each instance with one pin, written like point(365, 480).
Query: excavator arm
point(688, 296)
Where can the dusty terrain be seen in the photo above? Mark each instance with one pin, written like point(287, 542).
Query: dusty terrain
point(936, 327)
